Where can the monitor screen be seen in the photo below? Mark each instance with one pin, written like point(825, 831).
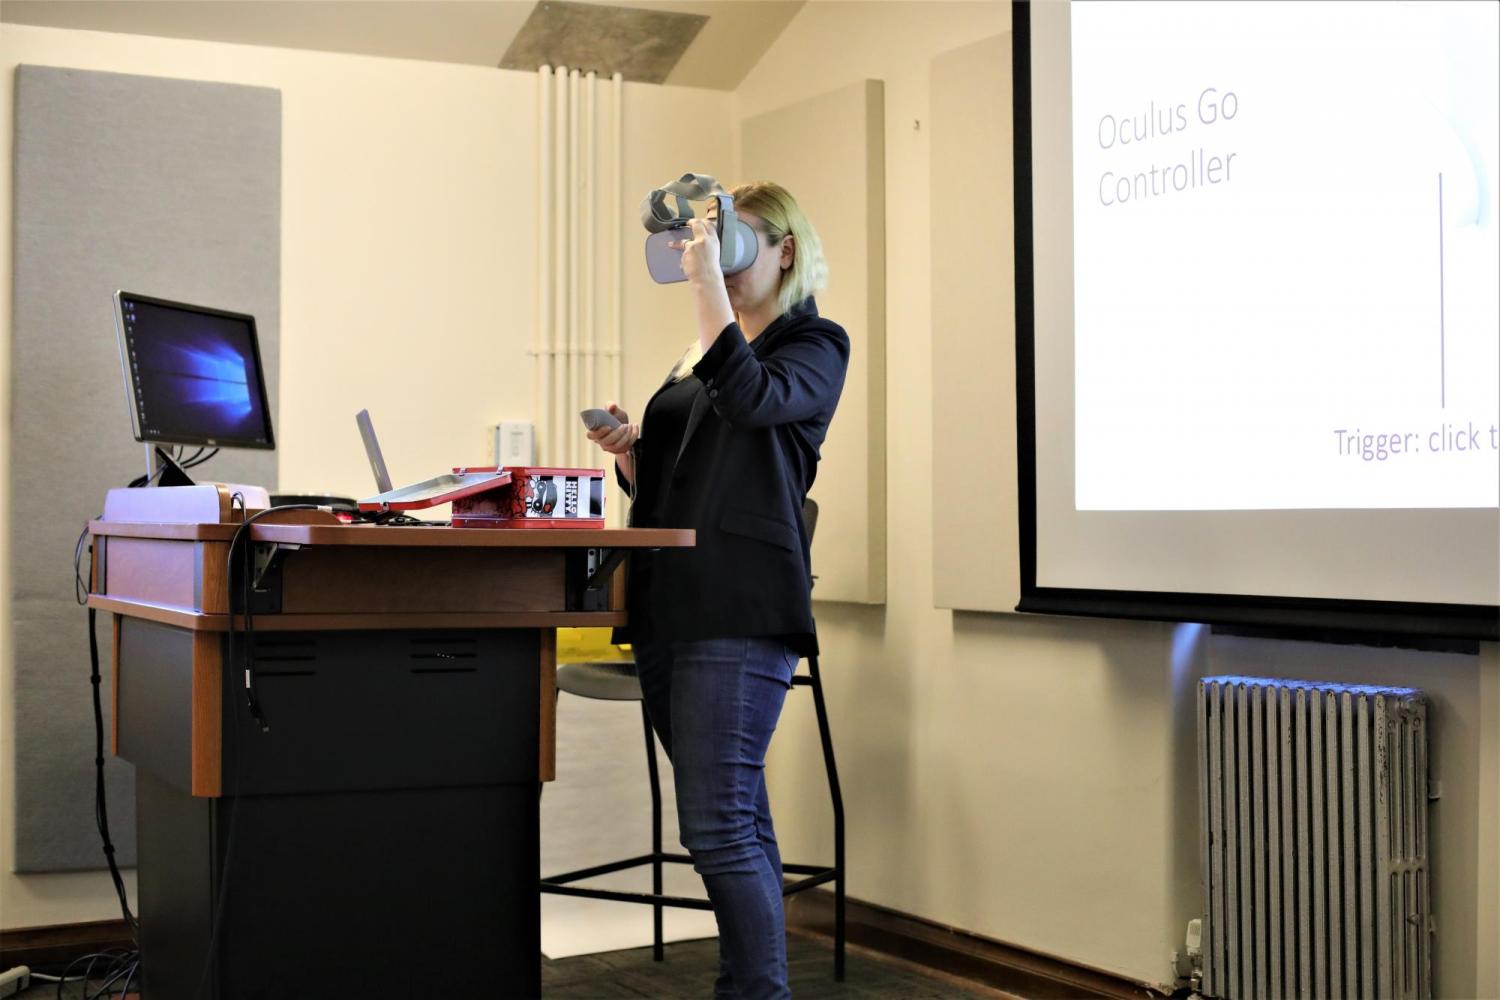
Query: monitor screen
point(192, 374)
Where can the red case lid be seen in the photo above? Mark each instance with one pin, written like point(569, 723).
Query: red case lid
point(522, 471)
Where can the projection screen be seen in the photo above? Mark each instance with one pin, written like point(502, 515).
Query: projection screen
point(1257, 312)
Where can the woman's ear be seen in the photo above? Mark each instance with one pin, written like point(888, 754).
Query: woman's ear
point(788, 251)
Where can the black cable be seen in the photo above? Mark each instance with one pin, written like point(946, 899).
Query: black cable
point(80, 586)
point(134, 971)
point(247, 564)
point(88, 972)
point(217, 922)
point(101, 812)
point(119, 959)
point(116, 959)
point(247, 579)
point(140, 481)
point(115, 972)
point(127, 963)
point(195, 460)
point(64, 978)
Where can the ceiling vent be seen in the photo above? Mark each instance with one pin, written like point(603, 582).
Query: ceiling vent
point(641, 45)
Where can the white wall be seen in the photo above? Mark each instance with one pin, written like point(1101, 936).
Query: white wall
point(1033, 779)
point(409, 228)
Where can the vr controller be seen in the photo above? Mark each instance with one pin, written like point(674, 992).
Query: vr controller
point(738, 243)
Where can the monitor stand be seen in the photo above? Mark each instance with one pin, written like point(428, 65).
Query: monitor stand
point(171, 473)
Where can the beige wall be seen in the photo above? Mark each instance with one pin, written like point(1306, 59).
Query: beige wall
point(1034, 779)
point(1023, 778)
point(409, 229)
point(828, 150)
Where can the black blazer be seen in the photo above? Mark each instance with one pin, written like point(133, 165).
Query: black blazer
point(749, 454)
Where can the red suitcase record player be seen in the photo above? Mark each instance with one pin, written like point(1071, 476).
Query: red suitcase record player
point(533, 497)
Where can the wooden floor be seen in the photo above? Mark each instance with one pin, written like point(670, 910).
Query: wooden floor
point(689, 971)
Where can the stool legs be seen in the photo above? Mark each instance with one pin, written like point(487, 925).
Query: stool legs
point(657, 899)
point(656, 888)
point(838, 818)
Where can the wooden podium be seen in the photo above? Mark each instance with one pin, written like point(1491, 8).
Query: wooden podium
point(381, 837)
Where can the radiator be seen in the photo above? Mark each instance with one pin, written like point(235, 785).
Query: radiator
point(1313, 837)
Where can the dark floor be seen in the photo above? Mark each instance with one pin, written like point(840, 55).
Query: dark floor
point(689, 970)
point(690, 967)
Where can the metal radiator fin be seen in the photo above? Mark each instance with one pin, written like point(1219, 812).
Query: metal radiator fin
point(1313, 833)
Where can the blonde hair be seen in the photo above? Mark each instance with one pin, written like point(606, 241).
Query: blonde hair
point(783, 217)
point(685, 364)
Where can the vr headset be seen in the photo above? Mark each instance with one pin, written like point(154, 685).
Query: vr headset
point(738, 243)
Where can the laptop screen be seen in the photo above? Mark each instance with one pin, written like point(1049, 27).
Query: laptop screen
point(372, 451)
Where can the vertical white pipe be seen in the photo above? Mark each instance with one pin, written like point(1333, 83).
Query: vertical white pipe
point(590, 358)
point(558, 336)
point(616, 304)
point(541, 388)
point(575, 221)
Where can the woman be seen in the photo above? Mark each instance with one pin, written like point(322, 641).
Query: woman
point(729, 446)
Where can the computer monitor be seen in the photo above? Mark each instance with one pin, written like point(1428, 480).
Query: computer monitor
point(192, 374)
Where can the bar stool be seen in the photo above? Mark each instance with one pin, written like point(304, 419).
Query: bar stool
point(617, 681)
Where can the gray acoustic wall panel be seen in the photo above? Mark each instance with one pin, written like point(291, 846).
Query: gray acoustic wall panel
point(163, 187)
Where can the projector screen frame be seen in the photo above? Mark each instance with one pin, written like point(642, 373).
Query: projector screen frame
point(1378, 622)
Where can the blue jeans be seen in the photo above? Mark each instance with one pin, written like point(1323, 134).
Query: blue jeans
point(714, 705)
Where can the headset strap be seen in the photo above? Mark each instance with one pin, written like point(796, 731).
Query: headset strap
point(657, 217)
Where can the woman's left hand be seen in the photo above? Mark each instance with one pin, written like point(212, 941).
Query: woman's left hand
point(700, 254)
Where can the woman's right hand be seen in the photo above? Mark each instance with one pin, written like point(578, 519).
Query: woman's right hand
point(620, 440)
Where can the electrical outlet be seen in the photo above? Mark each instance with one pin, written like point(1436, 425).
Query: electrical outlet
point(515, 443)
point(14, 981)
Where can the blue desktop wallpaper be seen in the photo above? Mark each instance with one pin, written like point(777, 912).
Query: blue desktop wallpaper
point(194, 376)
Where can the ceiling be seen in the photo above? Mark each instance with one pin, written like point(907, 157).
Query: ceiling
point(735, 34)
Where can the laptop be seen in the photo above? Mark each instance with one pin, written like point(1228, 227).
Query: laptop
point(381, 474)
point(372, 451)
point(390, 505)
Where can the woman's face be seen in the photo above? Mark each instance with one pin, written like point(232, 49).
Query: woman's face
point(755, 288)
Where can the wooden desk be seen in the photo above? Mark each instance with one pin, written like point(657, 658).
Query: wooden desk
point(381, 837)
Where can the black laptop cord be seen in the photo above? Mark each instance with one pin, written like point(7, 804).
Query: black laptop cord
point(101, 810)
point(96, 679)
point(126, 959)
point(247, 591)
point(80, 585)
point(140, 481)
point(123, 972)
point(231, 738)
point(106, 965)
